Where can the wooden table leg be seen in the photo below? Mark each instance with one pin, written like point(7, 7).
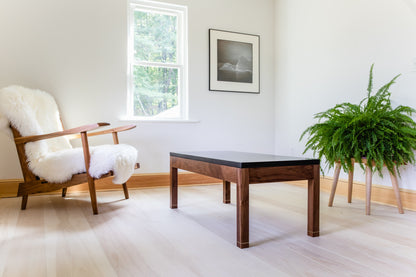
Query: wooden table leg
point(350, 183)
point(243, 208)
point(313, 203)
point(368, 181)
point(173, 188)
point(395, 185)
point(334, 184)
point(226, 192)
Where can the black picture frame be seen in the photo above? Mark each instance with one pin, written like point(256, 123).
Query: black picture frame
point(234, 61)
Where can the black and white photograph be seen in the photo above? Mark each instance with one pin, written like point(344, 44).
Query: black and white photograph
point(234, 61)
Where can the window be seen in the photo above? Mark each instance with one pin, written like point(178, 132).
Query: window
point(157, 61)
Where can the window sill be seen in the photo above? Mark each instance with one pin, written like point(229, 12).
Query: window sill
point(159, 120)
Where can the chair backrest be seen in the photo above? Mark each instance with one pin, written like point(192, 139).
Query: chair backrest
point(32, 112)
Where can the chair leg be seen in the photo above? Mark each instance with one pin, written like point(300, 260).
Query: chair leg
point(93, 195)
point(24, 201)
point(350, 182)
point(396, 190)
point(64, 192)
point(368, 180)
point(126, 191)
point(334, 184)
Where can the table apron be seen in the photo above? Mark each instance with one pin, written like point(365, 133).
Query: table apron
point(281, 173)
point(256, 175)
point(222, 172)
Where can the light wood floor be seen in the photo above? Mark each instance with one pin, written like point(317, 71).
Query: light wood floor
point(142, 236)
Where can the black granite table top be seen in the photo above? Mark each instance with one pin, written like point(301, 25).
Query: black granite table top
point(243, 159)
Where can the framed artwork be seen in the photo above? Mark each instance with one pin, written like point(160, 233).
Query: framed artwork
point(234, 62)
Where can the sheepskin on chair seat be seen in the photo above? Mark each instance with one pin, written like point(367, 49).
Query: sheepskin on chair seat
point(34, 112)
point(59, 166)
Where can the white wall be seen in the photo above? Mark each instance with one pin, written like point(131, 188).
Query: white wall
point(76, 50)
point(324, 49)
point(314, 54)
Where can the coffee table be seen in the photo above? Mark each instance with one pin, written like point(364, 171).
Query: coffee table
point(244, 169)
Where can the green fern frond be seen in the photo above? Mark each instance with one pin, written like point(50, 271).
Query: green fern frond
point(371, 129)
point(370, 81)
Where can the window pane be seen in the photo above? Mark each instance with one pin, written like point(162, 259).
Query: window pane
point(156, 91)
point(155, 37)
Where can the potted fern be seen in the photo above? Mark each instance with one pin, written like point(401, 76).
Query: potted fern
point(372, 129)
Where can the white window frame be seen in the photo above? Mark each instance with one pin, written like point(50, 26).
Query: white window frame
point(182, 56)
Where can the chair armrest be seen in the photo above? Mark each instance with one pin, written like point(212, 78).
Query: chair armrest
point(107, 131)
point(113, 130)
point(81, 129)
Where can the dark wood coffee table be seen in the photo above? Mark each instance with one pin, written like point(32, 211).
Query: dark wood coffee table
point(244, 169)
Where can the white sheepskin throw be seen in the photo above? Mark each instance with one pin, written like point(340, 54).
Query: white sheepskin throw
point(34, 112)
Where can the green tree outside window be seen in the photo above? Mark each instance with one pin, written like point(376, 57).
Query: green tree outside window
point(155, 74)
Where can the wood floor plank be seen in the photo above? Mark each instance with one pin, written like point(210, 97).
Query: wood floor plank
point(9, 215)
point(142, 236)
point(69, 234)
point(25, 246)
